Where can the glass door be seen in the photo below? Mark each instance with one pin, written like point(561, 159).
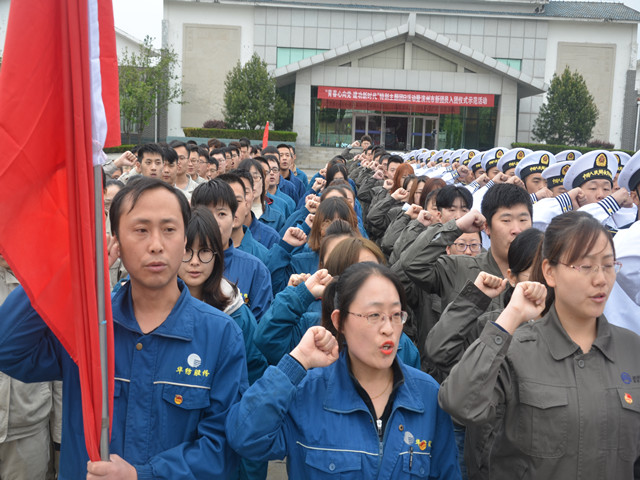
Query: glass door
point(374, 128)
point(417, 133)
point(431, 133)
point(395, 132)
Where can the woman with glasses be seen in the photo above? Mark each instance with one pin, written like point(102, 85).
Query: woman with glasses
point(560, 391)
point(201, 270)
point(349, 408)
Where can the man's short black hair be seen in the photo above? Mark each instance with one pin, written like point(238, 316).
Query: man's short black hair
point(233, 148)
point(243, 173)
point(170, 155)
point(134, 189)
point(284, 145)
point(177, 144)
point(448, 194)
point(270, 149)
point(232, 177)
point(213, 193)
point(272, 158)
point(203, 152)
point(217, 151)
point(191, 143)
point(213, 161)
point(150, 148)
point(395, 159)
point(244, 142)
point(366, 138)
point(504, 195)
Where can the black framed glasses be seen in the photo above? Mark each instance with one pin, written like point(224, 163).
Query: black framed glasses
point(205, 255)
point(376, 318)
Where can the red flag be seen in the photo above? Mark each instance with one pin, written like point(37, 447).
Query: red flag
point(265, 137)
point(47, 220)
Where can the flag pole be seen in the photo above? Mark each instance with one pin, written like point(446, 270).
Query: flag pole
point(102, 321)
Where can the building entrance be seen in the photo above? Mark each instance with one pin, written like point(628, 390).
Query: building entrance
point(398, 132)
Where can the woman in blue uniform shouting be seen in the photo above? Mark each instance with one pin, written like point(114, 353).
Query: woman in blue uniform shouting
point(349, 408)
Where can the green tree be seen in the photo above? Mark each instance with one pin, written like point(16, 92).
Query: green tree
point(569, 114)
point(148, 85)
point(251, 99)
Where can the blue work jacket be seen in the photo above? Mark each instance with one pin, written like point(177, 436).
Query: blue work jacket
point(172, 391)
point(263, 233)
point(321, 424)
point(251, 277)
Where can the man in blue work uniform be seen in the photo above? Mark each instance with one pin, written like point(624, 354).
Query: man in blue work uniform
point(179, 363)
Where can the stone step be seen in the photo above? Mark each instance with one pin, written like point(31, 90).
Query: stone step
point(312, 159)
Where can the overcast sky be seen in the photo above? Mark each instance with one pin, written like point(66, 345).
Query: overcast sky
point(144, 17)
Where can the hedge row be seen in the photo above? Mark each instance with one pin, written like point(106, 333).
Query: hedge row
point(276, 135)
point(120, 149)
point(559, 148)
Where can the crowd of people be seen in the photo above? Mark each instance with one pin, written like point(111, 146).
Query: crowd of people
point(430, 314)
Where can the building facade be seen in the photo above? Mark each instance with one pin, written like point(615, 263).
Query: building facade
point(412, 74)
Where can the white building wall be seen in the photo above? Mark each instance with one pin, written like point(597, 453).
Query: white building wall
point(623, 36)
point(178, 13)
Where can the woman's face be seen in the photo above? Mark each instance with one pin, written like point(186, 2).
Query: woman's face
point(579, 294)
point(195, 272)
point(257, 184)
point(372, 347)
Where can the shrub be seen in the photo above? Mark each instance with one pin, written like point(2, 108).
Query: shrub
point(214, 124)
point(600, 144)
point(275, 135)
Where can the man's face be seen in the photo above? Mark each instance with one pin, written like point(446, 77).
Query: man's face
point(492, 172)
point(466, 244)
point(227, 162)
point(212, 171)
point(222, 161)
point(285, 159)
point(534, 182)
point(203, 166)
point(391, 170)
point(368, 155)
point(241, 212)
point(274, 173)
point(170, 172)
point(192, 164)
point(151, 239)
point(596, 190)
point(479, 173)
point(365, 144)
point(455, 211)
point(506, 224)
point(183, 160)
point(108, 197)
point(559, 190)
point(248, 192)
point(245, 152)
point(150, 165)
point(223, 216)
point(235, 159)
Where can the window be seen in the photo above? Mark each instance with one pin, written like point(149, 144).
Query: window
point(287, 56)
point(511, 62)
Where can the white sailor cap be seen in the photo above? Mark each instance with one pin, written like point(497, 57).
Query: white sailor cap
point(535, 162)
point(622, 158)
point(598, 164)
point(491, 157)
point(568, 155)
point(511, 159)
point(439, 156)
point(630, 175)
point(466, 157)
point(475, 163)
point(554, 174)
point(455, 155)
